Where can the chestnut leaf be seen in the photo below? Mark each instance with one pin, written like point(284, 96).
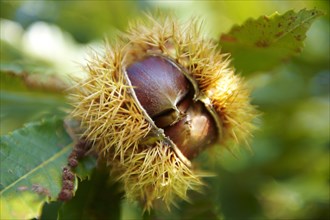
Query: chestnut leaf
point(32, 159)
point(260, 44)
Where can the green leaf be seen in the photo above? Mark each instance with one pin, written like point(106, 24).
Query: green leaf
point(99, 197)
point(31, 167)
point(261, 44)
point(85, 167)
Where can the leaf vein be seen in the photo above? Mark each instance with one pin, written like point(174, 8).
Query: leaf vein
point(40, 166)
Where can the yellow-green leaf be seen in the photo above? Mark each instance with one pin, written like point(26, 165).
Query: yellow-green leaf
point(31, 167)
point(263, 43)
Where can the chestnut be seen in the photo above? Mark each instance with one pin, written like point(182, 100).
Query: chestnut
point(159, 95)
point(167, 96)
point(194, 132)
point(158, 85)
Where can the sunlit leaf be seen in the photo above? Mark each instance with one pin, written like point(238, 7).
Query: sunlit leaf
point(31, 167)
point(263, 43)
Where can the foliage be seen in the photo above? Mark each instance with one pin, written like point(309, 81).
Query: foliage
point(286, 177)
point(277, 37)
point(31, 161)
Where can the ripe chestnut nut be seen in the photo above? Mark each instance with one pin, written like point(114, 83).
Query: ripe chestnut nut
point(158, 85)
point(167, 96)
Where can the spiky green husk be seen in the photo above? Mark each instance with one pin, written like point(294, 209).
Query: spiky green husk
point(216, 80)
point(115, 123)
point(111, 120)
point(156, 173)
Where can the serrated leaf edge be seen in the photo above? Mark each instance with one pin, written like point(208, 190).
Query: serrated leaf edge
point(305, 21)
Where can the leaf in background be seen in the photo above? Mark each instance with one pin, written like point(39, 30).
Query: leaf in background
point(263, 43)
point(31, 167)
point(27, 97)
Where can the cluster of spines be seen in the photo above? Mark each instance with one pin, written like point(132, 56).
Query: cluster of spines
point(108, 113)
point(115, 124)
point(185, 44)
point(156, 172)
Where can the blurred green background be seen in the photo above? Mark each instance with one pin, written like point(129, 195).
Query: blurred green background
point(287, 174)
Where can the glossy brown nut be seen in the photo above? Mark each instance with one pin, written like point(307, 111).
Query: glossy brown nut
point(171, 117)
point(195, 131)
point(158, 84)
point(167, 96)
